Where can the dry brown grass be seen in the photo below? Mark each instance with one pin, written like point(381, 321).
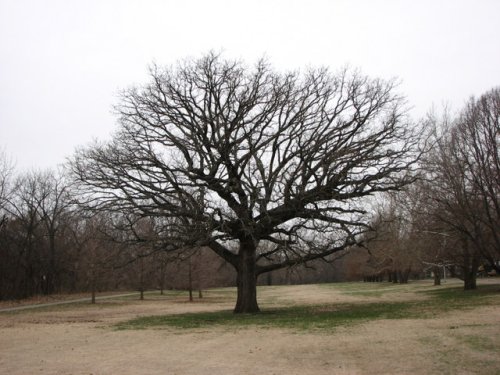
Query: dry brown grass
point(82, 339)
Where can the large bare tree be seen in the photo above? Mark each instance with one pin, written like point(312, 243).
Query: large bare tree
point(465, 189)
point(230, 157)
point(477, 134)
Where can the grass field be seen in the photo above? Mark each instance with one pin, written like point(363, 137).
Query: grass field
point(346, 328)
point(330, 316)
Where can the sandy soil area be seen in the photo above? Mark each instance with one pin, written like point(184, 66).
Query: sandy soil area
point(80, 339)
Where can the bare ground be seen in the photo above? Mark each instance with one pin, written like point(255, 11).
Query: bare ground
point(80, 339)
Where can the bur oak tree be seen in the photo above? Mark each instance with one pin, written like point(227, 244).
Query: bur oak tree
point(231, 157)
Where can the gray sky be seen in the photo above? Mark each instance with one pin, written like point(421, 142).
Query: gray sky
point(62, 63)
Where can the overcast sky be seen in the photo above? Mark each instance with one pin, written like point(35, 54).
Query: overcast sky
point(62, 63)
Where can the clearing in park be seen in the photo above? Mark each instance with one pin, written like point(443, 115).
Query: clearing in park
point(346, 328)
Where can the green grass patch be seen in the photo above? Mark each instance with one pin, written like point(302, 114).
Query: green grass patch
point(483, 293)
point(479, 343)
point(380, 289)
point(328, 316)
point(296, 317)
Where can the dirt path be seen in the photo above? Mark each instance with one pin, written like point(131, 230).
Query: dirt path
point(80, 339)
point(65, 302)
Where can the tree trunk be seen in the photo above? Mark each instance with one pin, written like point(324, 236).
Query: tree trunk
point(198, 273)
point(141, 279)
point(436, 271)
point(190, 281)
point(162, 276)
point(404, 275)
point(269, 278)
point(29, 272)
point(92, 286)
point(395, 277)
point(470, 267)
point(246, 279)
point(51, 275)
point(470, 282)
point(470, 274)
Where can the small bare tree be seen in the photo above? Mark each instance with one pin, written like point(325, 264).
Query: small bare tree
point(6, 271)
point(6, 169)
point(394, 245)
point(23, 206)
point(98, 255)
point(53, 201)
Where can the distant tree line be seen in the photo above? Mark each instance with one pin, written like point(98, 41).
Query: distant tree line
point(48, 244)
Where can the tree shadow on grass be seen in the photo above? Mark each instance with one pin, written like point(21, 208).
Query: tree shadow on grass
point(326, 316)
point(293, 317)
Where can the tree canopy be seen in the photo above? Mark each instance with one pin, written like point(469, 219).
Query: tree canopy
point(233, 158)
